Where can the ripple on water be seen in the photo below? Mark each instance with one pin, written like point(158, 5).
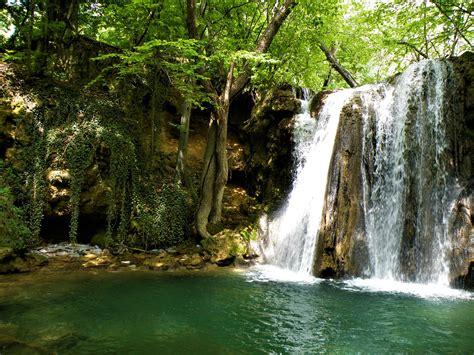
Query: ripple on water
point(267, 273)
point(426, 291)
point(258, 311)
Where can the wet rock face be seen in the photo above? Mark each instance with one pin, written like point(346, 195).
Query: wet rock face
point(317, 103)
point(462, 131)
point(341, 248)
point(342, 245)
point(461, 230)
point(268, 144)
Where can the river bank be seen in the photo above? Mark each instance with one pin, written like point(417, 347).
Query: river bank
point(76, 257)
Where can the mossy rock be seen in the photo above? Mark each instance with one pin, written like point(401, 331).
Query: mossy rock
point(13, 263)
point(12, 345)
point(155, 263)
point(37, 259)
point(224, 245)
point(6, 253)
point(101, 240)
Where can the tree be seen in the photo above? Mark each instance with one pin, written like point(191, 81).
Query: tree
point(393, 34)
point(211, 51)
point(346, 75)
point(215, 165)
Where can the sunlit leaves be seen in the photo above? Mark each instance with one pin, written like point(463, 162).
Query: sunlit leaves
point(397, 32)
point(372, 39)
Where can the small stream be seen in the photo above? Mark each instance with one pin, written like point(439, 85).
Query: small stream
point(226, 312)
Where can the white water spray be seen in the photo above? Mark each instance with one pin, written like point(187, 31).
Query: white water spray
point(406, 187)
point(290, 237)
point(408, 201)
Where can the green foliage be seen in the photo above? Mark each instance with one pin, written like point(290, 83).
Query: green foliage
point(14, 56)
point(5, 22)
point(373, 39)
point(249, 233)
point(30, 186)
point(77, 141)
point(302, 64)
point(163, 220)
point(393, 34)
point(180, 61)
point(13, 228)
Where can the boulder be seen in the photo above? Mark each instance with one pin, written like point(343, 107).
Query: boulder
point(11, 262)
point(100, 239)
point(224, 245)
point(268, 144)
point(6, 253)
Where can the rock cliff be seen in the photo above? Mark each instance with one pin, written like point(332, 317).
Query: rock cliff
point(342, 248)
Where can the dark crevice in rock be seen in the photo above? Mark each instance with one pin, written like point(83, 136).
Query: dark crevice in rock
point(55, 229)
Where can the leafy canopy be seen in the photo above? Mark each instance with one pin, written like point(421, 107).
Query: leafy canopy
point(372, 39)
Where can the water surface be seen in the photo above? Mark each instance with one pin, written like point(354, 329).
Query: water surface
point(223, 312)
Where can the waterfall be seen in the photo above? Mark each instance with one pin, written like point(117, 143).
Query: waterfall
point(405, 188)
point(408, 194)
point(289, 237)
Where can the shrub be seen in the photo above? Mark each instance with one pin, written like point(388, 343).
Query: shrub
point(165, 221)
point(13, 229)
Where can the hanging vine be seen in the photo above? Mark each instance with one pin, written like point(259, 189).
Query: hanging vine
point(72, 132)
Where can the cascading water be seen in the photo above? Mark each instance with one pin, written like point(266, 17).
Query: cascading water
point(408, 198)
point(407, 191)
point(290, 236)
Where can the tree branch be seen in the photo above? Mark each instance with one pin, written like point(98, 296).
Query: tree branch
point(452, 22)
point(346, 75)
point(412, 46)
point(150, 19)
point(227, 12)
point(264, 42)
point(279, 16)
point(463, 10)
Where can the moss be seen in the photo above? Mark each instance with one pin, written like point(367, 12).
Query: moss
point(228, 243)
point(101, 240)
point(65, 128)
point(14, 232)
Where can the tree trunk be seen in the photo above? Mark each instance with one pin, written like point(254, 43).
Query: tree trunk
point(191, 18)
point(215, 166)
point(346, 75)
point(186, 108)
point(222, 166)
point(31, 12)
point(215, 172)
point(207, 181)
